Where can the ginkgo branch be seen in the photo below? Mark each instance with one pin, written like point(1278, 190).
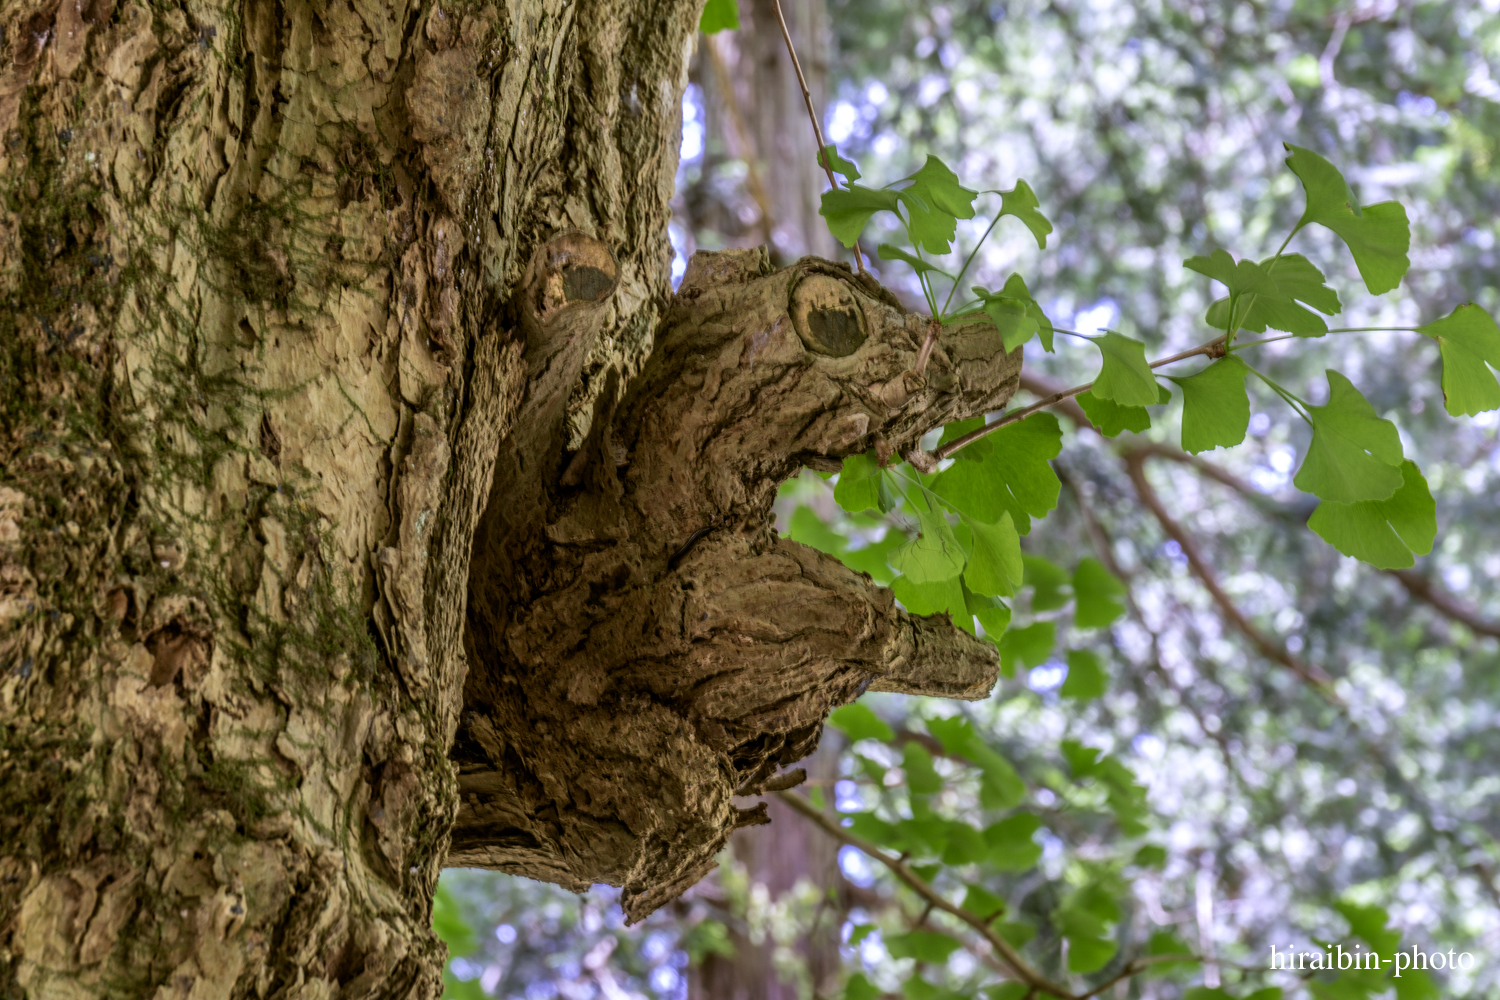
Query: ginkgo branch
point(812, 115)
point(1017, 965)
point(1314, 675)
point(1214, 349)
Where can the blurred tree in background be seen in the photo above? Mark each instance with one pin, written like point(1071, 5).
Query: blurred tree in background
point(1302, 746)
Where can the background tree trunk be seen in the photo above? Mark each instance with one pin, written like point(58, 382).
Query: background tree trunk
point(257, 360)
point(754, 111)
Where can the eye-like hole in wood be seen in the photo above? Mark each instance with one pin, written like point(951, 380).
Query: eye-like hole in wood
point(574, 267)
point(828, 316)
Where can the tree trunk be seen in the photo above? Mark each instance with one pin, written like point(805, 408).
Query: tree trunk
point(304, 301)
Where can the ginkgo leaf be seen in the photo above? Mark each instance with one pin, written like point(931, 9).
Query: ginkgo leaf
point(719, 15)
point(1245, 280)
point(1126, 378)
point(1470, 344)
point(1086, 677)
point(1010, 318)
point(1047, 581)
point(924, 946)
point(921, 777)
point(858, 487)
point(991, 612)
point(859, 722)
point(1215, 406)
point(982, 903)
point(1021, 202)
point(1377, 235)
point(1384, 533)
point(830, 158)
point(1096, 594)
point(1110, 418)
point(1354, 454)
point(932, 556)
point(933, 598)
point(888, 252)
point(848, 210)
point(1296, 281)
point(934, 202)
point(994, 567)
point(1013, 474)
point(1030, 646)
point(1016, 313)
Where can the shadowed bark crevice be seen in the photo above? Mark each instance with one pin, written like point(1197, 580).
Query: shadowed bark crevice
point(641, 641)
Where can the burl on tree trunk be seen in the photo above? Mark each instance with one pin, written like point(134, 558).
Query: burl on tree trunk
point(642, 645)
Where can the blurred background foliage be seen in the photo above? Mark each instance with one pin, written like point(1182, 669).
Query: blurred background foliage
point(1247, 807)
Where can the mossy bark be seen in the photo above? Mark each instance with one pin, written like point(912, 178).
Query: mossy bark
point(304, 303)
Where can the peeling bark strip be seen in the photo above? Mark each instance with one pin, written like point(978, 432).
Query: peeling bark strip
point(641, 641)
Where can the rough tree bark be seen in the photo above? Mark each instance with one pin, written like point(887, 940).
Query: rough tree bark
point(303, 301)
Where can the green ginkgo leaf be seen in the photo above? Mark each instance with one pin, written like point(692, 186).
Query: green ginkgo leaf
point(1377, 235)
point(1470, 344)
point(1296, 281)
point(1387, 534)
point(1126, 378)
point(994, 567)
point(1030, 646)
point(921, 777)
point(1008, 471)
point(888, 252)
point(1110, 418)
point(934, 203)
point(858, 487)
point(1096, 594)
point(1048, 582)
point(1021, 202)
point(859, 722)
point(848, 210)
point(830, 158)
point(720, 15)
point(1354, 454)
point(932, 556)
point(934, 598)
point(1215, 406)
point(1086, 678)
point(1016, 314)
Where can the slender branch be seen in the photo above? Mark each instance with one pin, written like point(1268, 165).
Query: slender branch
point(1017, 965)
point(1135, 467)
point(1417, 585)
point(1214, 349)
point(1423, 590)
point(812, 115)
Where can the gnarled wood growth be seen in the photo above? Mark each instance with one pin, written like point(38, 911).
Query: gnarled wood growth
point(641, 642)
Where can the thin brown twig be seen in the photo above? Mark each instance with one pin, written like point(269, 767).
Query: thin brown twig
point(1135, 467)
point(812, 116)
point(1017, 965)
point(1416, 584)
point(1214, 349)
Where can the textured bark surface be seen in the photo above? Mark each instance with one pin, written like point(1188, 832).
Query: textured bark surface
point(256, 360)
point(642, 643)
